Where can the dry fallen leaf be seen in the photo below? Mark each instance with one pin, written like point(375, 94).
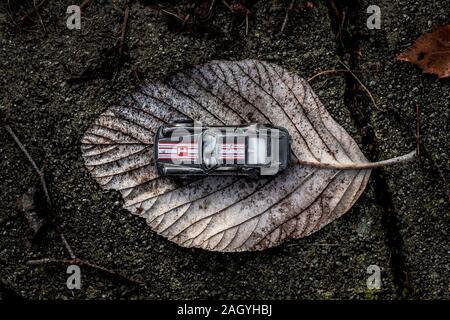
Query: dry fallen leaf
point(27, 205)
point(228, 213)
point(431, 52)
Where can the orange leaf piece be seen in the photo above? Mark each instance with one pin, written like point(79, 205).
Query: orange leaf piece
point(431, 52)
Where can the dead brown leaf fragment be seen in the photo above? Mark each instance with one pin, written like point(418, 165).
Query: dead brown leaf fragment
point(431, 52)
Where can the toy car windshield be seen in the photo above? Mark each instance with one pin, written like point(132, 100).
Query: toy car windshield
point(188, 149)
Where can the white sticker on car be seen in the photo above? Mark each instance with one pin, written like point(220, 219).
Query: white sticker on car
point(232, 151)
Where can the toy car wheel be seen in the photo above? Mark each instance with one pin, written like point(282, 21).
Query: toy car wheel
point(252, 173)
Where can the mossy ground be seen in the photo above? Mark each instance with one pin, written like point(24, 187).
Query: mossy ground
point(50, 113)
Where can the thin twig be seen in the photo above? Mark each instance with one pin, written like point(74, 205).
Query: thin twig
point(74, 259)
point(39, 17)
point(43, 183)
point(246, 23)
point(30, 159)
point(423, 148)
point(173, 14)
point(82, 263)
point(126, 15)
point(368, 165)
point(341, 26)
point(286, 17)
point(227, 5)
point(335, 71)
point(67, 245)
point(362, 85)
point(8, 12)
point(185, 21)
point(211, 6)
point(32, 11)
point(136, 72)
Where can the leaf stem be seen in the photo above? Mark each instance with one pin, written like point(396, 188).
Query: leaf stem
point(369, 165)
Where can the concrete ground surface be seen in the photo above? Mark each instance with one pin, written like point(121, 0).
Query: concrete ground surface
point(400, 223)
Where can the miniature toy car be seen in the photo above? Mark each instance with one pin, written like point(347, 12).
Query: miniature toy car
point(188, 149)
